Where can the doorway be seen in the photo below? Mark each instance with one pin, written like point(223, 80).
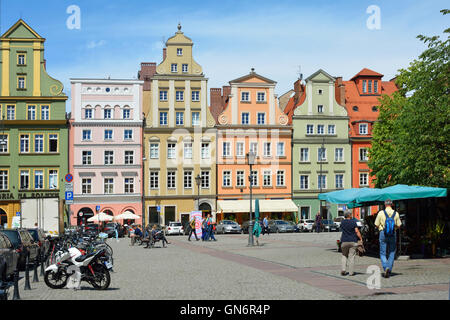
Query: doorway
point(83, 215)
point(169, 215)
point(3, 219)
point(205, 208)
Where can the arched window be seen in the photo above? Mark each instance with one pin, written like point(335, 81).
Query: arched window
point(355, 108)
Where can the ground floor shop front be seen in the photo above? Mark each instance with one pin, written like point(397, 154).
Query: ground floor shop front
point(8, 210)
point(81, 212)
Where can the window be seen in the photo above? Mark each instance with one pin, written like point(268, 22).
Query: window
point(86, 135)
point(245, 118)
point(4, 180)
point(24, 143)
point(226, 152)
point(24, 179)
point(11, 113)
point(363, 128)
point(355, 108)
point(240, 178)
point(261, 118)
point(205, 151)
point(21, 59)
point(184, 68)
point(370, 86)
point(3, 143)
point(109, 157)
point(39, 179)
point(52, 143)
point(128, 134)
point(320, 91)
point(331, 129)
point(107, 114)
point(126, 113)
point(174, 67)
point(322, 182)
point(31, 112)
point(154, 180)
point(320, 108)
point(254, 178)
point(163, 118)
point(171, 147)
point(195, 118)
point(363, 179)
point(280, 149)
point(86, 157)
point(339, 154)
point(163, 95)
point(304, 182)
point(322, 154)
point(304, 154)
point(375, 109)
point(364, 86)
point(239, 149)
point(267, 178)
point(88, 113)
point(375, 86)
point(21, 83)
point(339, 181)
point(179, 95)
point(280, 178)
point(129, 185)
point(129, 157)
point(179, 51)
point(86, 186)
point(108, 185)
point(363, 154)
point(195, 96)
point(171, 178)
point(205, 179)
point(309, 129)
point(267, 147)
point(53, 179)
point(179, 118)
point(108, 134)
point(245, 97)
point(39, 143)
point(188, 179)
point(261, 97)
point(226, 182)
point(188, 150)
point(154, 151)
point(320, 129)
point(254, 148)
point(45, 113)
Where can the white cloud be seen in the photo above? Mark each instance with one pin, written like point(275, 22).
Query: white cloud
point(95, 44)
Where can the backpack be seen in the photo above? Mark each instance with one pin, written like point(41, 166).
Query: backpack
point(389, 228)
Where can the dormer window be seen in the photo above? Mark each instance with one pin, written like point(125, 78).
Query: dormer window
point(364, 86)
point(375, 86)
point(179, 52)
point(370, 86)
point(363, 128)
point(355, 108)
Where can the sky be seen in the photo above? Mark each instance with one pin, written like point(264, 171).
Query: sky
point(280, 39)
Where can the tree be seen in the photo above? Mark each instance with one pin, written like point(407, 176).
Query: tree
point(411, 139)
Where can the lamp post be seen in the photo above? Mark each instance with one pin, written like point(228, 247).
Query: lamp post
point(251, 161)
point(198, 180)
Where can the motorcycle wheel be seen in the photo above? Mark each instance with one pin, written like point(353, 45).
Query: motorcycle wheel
point(55, 280)
point(102, 278)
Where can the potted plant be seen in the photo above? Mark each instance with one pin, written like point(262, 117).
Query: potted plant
point(434, 233)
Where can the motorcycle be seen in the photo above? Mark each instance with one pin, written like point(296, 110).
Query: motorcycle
point(92, 267)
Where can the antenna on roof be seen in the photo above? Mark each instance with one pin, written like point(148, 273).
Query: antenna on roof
point(300, 74)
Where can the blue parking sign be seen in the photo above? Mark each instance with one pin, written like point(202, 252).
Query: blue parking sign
point(69, 195)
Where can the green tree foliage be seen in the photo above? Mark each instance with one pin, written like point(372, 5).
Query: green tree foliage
point(411, 139)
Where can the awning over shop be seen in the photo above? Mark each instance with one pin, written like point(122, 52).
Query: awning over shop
point(236, 206)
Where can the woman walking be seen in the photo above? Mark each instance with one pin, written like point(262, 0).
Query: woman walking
point(349, 243)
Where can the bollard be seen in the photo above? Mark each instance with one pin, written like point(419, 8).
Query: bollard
point(27, 276)
point(16, 295)
point(35, 274)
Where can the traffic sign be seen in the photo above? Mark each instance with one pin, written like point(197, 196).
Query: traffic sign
point(69, 186)
point(69, 197)
point(97, 208)
point(158, 208)
point(68, 177)
point(18, 214)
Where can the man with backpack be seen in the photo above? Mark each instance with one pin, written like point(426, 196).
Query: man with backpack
point(387, 221)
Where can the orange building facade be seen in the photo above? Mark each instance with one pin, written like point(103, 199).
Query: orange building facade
point(362, 94)
point(249, 119)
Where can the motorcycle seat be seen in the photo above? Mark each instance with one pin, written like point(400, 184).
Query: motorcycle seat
point(82, 258)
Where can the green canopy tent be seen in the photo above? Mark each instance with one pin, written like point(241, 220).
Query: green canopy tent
point(346, 196)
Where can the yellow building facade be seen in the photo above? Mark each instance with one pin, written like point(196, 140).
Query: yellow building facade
point(179, 136)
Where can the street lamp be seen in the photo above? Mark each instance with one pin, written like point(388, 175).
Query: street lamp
point(251, 161)
point(198, 180)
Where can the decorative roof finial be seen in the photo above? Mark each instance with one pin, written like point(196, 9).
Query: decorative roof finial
point(253, 70)
point(179, 26)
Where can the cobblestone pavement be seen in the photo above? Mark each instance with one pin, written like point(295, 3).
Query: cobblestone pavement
point(284, 267)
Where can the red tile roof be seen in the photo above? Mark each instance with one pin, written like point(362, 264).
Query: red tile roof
point(367, 73)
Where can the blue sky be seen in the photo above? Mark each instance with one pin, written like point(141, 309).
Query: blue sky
point(230, 36)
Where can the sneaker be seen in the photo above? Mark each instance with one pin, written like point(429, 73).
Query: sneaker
point(387, 273)
point(343, 273)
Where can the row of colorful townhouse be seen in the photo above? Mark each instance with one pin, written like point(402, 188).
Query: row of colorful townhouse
point(154, 146)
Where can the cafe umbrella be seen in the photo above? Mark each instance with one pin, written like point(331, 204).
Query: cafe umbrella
point(257, 227)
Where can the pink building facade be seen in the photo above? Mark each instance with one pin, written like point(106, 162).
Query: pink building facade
point(105, 154)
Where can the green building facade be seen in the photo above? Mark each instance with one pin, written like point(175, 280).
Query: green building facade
point(321, 155)
point(33, 126)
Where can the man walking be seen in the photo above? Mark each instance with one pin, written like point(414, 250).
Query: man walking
point(266, 226)
point(349, 238)
point(192, 231)
point(318, 222)
point(387, 222)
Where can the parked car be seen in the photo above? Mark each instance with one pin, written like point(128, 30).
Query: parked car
point(9, 258)
point(174, 228)
point(23, 242)
point(338, 221)
point(276, 226)
point(245, 226)
point(329, 225)
point(228, 226)
point(296, 227)
point(110, 230)
point(306, 225)
point(40, 238)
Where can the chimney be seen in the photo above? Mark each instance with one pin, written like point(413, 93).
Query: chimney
point(226, 92)
point(216, 107)
point(164, 53)
point(339, 91)
point(298, 90)
point(148, 69)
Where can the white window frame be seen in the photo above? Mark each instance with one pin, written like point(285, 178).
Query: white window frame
point(165, 118)
point(179, 52)
point(247, 114)
point(366, 154)
point(302, 159)
point(39, 143)
point(128, 134)
point(86, 157)
point(303, 182)
point(332, 132)
point(309, 126)
point(205, 175)
point(108, 159)
point(226, 149)
point(227, 178)
point(179, 96)
point(154, 180)
point(162, 95)
point(281, 174)
point(341, 158)
point(245, 94)
point(320, 108)
point(267, 178)
point(205, 152)
point(336, 181)
point(361, 175)
point(321, 132)
point(240, 177)
point(282, 154)
point(258, 96)
point(185, 68)
point(187, 179)
point(128, 185)
point(86, 186)
point(105, 138)
point(258, 118)
point(195, 119)
point(319, 182)
point(240, 149)
point(179, 118)
point(154, 150)
point(171, 179)
point(45, 112)
point(361, 126)
point(174, 67)
point(128, 156)
point(195, 96)
point(318, 154)
point(108, 185)
point(171, 150)
point(187, 150)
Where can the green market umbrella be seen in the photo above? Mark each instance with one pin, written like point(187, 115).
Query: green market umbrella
point(257, 226)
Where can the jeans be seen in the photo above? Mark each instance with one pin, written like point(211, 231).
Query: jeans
point(387, 250)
